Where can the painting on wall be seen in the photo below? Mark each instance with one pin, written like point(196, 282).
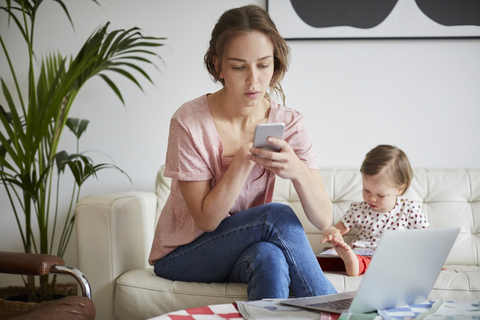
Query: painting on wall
point(348, 19)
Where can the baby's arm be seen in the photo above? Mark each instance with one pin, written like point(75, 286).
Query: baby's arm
point(335, 232)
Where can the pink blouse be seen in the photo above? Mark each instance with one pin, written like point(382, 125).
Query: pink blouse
point(195, 152)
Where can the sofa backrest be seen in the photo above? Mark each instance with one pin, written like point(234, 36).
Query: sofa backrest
point(448, 197)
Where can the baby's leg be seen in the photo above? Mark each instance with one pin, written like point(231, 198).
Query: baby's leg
point(349, 258)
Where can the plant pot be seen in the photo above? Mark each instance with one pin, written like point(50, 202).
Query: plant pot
point(24, 297)
point(6, 306)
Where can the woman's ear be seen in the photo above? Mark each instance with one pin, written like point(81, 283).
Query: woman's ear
point(218, 67)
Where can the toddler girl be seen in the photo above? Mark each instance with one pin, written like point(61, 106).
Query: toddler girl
point(386, 174)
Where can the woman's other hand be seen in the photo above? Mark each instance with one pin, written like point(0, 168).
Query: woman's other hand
point(335, 232)
point(330, 234)
point(307, 182)
point(209, 206)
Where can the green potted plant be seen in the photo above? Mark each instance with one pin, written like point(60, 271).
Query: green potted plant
point(34, 119)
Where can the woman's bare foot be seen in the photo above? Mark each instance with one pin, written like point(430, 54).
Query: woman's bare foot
point(349, 258)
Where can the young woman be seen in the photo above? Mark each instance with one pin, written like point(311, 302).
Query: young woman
point(219, 223)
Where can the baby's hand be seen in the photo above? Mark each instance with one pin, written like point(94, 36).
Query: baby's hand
point(330, 234)
point(327, 239)
point(339, 243)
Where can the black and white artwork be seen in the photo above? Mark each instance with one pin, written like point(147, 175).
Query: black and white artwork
point(343, 19)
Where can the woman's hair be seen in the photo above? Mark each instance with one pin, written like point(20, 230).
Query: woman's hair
point(244, 20)
point(391, 164)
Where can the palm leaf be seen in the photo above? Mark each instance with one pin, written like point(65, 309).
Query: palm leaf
point(77, 126)
point(60, 2)
point(11, 15)
point(12, 70)
point(113, 87)
point(135, 67)
point(13, 128)
point(61, 159)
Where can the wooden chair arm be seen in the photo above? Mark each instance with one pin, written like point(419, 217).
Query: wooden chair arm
point(28, 263)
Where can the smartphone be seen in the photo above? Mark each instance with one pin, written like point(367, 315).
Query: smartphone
point(263, 131)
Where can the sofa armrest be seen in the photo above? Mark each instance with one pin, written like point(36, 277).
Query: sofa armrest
point(114, 235)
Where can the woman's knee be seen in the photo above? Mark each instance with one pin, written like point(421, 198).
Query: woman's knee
point(282, 211)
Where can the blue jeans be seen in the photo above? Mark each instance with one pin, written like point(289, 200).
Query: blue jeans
point(264, 247)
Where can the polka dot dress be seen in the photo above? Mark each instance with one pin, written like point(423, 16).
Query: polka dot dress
point(371, 225)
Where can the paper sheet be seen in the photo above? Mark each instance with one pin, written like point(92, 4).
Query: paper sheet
point(362, 252)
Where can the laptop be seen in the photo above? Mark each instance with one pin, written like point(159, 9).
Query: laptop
point(403, 271)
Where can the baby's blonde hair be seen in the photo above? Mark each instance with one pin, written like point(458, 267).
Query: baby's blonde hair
point(391, 164)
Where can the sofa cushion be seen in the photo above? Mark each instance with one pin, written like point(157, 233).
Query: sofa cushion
point(458, 282)
point(140, 294)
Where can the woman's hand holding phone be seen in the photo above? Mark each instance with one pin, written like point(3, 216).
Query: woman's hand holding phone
point(272, 152)
point(263, 131)
point(265, 142)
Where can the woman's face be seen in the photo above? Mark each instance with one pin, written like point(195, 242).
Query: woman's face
point(247, 67)
point(380, 197)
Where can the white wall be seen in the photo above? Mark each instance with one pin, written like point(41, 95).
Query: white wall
point(421, 95)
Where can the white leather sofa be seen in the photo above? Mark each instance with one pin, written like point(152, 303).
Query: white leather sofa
point(115, 231)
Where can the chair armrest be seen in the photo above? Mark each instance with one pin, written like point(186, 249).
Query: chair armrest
point(40, 265)
point(28, 263)
point(114, 235)
point(78, 275)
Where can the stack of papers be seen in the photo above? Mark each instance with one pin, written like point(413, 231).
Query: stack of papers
point(270, 309)
point(438, 310)
point(362, 252)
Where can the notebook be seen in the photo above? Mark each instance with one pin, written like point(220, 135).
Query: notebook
point(403, 271)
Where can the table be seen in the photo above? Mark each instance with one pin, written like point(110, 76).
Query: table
point(262, 309)
point(271, 309)
point(218, 311)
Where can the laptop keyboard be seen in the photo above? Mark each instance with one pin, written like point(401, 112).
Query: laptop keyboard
point(343, 304)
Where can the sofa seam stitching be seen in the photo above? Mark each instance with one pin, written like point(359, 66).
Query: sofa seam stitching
point(177, 292)
point(456, 289)
point(470, 200)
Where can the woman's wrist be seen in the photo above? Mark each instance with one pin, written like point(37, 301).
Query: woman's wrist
point(302, 175)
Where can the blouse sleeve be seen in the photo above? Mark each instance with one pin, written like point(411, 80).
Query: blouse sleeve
point(184, 159)
point(298, 138)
